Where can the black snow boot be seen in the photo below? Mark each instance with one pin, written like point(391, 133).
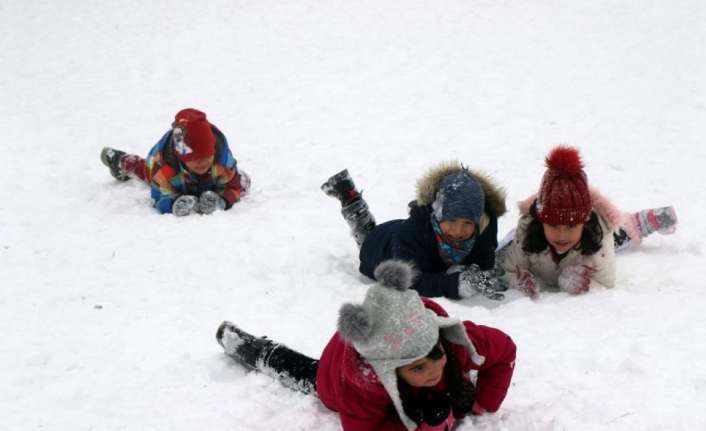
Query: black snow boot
point(243, 347)
point(361, 221)
point(111, 158)
point(341, 187)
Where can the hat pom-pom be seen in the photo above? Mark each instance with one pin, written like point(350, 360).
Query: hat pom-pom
point(396, 274)
point(353, 323)
point(565, 160)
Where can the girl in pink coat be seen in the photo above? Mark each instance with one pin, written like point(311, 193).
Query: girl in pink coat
point(568, 233)
point(397, 361)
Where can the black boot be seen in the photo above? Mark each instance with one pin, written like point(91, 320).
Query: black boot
point(361, 221)
point(621, 239)
point(243, 347)
point(111, 158)
point(341, 187)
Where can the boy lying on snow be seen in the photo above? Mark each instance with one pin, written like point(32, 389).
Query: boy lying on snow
point(190, 170)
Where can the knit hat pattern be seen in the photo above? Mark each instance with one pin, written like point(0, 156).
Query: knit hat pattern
point(192, 135)
point(460, 195)
point(563, 197)
point(393, 328)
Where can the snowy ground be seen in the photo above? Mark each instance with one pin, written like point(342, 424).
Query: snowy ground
point(108, 310)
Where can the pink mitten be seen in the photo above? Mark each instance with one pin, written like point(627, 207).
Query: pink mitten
point(575, 279)
point(527, 283)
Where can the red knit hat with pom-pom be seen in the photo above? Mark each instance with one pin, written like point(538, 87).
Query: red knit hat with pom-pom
point(563, 197)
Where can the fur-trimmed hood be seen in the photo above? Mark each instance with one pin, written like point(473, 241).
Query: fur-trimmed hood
point(428, 187)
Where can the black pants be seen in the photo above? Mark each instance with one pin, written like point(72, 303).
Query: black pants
point(293, 369)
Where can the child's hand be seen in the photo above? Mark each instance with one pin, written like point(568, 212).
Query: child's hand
point(184, 205)
point(443, 426)
point(210, 201)
point(527, 284)
point(473, 281)
point(437, 414)
point(576, 279)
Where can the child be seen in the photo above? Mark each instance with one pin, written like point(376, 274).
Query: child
point(450, 235)
point(190, 170)
point(397, 362)
point(568, 233)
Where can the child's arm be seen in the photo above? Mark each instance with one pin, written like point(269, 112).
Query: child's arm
point(367, 412)
point(495, 374)
point(228, 182)
point(603, 261)
point(515, 264)
point(601, 267)
point(162, 191)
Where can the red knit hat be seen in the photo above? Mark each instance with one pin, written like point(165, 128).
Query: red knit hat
point(563, 196)
point(192, 135)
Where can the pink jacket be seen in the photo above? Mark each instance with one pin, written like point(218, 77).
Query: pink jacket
point(346, 383)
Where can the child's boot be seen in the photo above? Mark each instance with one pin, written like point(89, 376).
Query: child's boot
point(111, 158)
point(636, 226)
point(662, 220)
point(341, 187)
point(354, 208)
point(357, 215)
point(243, 347)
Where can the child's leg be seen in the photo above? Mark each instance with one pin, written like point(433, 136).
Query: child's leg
point(293, 369)
point(134, 166)
point(123, 166)
point(353, 207)
point(643, 223)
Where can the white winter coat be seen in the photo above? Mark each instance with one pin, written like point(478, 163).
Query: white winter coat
point(543, 267)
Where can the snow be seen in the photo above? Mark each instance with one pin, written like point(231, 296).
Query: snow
point(108, 310)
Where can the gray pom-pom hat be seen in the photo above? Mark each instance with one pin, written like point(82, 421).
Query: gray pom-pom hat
point(392, 328)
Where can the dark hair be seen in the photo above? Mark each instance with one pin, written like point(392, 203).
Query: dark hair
point(459, 395)
point(536, 242)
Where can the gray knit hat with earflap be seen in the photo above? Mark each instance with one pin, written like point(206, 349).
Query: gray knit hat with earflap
point(393, 328)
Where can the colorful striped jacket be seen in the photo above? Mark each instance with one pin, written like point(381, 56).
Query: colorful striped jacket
point(169, 178)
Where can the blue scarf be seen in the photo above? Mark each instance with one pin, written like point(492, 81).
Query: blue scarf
point(449, 254)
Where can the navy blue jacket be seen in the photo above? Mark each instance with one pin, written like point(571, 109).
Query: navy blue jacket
point(413, 240)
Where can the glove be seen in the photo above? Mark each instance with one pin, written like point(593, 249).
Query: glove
point(184, 205)
point(443, 426)
point(210, 201)
point(473, 280)
point(437, 415)
point(575, 279)
point(527, 284)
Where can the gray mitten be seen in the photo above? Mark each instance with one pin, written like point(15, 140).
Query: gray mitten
point(184, 205)
point(210, 201)
point(473, 281)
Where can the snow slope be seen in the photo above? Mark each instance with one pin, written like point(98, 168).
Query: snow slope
point(108, 310)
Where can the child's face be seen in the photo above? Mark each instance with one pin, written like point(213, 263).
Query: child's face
point(424, 372)
point(199, 166)
point(457, 230)
point(563, 237)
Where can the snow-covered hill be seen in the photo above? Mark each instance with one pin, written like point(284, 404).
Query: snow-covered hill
point(108, 310)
